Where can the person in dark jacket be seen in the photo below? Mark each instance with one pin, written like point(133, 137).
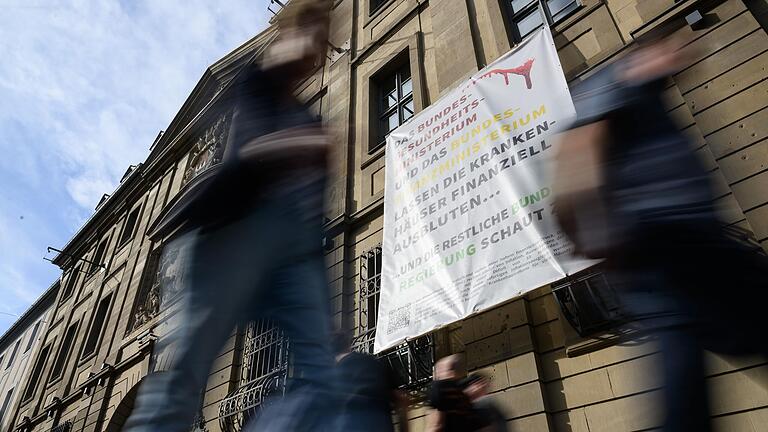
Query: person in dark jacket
point(368, 391)
point(453, 407)
point(630, 189)
point(476, 387)
point(254, 226)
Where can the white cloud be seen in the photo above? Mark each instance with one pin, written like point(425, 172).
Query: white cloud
point(85, 85)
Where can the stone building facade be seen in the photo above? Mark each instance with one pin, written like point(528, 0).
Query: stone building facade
point(18, 347)
point(558, 360)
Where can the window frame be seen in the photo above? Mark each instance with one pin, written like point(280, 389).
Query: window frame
point(409, 51)
point(513, 16)
point(99, 254)
point(87, 352)
point(402, 99)
point(37, 373)
point(124, 238)
point(33, 336)
point(70, 286)
point(6, 403)
point(376, 6)
point(14, 352)
point(64, 352)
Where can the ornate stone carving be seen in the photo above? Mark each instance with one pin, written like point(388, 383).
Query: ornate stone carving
point(208, 149)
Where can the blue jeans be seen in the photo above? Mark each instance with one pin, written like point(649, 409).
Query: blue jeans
point(267, 264)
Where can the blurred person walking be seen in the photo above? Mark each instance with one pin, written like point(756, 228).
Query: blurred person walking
point(476, 387)
point(254, 228)
point(453, 407)
point(369, 392)
point(630, 189)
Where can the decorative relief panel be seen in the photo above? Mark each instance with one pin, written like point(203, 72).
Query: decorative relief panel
point(208, 149)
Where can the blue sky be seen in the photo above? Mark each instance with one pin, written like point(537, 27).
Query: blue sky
point(85, 86)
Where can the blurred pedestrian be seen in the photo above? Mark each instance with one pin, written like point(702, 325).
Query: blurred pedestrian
point(254, 227)
point(369, 392)
point(476, 387)
point(630, 189)
point(453, 408)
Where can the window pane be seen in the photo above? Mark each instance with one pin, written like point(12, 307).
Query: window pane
point(407, 87)
point(389, 100)
point(518, 5)
point(95, 331)
point(393, 121)
point(559, 9)
point(529, 23)
point(29, 391)
point(407, 110)
point(388, 85)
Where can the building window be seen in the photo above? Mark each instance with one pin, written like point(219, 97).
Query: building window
point(528, 15)
point(32, 338)
point(411, 363)
point(66, 347)
point(13, 354)
point(129, 227)
point(377, 4)
point(394, 99)
point(98, 258)
point(69, 288)
point(6, 402)
point(42, 360)
point(263, 374)
point(96, 327)
point(589, 303)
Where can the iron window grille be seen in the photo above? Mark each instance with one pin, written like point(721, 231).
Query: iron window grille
point(528, 15)
point(410, 362)
point(394, 103)
point(589, 303)
point(263, 375)
point(63, 427)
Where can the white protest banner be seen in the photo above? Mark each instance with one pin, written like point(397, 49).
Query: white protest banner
point(468, 219)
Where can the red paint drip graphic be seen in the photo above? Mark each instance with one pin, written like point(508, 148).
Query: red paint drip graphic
point(523, 70)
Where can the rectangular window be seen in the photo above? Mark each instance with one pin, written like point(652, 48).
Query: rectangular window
point(376, 4)
point(69, 288)
point(96, 327)
point(6, 402)
point(98, 258)
point(32, 337)
point(29, 391)
point(66, 347)
point(13, 354)
point(394, 103)
point(528, 15)
point(129, 227)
